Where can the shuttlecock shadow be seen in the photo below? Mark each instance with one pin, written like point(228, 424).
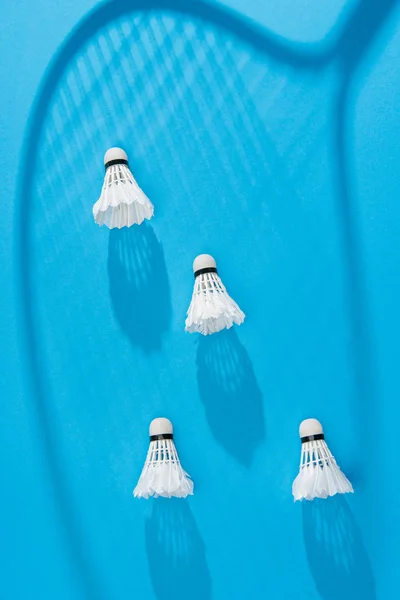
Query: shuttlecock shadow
point(230, 393)
point(176, 552)
point(335, 551)
point(139, 286)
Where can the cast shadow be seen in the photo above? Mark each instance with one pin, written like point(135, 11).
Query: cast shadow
point(353, 50)
point(230, 393)
point(139, 286)
point(359, 28)
point(335, 551)
point(176, 552)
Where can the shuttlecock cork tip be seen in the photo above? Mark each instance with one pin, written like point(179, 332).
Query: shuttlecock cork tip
point(115, 154)
point(161, 426)
point(204, 261)
point(310, 427)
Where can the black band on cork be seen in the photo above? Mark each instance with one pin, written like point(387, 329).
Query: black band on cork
point(116, 161)
point(311, 438)
point(161, 436)
point(205, 270)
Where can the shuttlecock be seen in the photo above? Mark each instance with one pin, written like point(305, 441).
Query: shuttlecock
point(319, 475)
point(211, 308)
point(162, 473)
point(122, 203)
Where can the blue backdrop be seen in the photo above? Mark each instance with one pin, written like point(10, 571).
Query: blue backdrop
point(267, 137)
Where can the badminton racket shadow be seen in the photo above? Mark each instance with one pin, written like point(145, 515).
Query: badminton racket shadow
point(139, 286)
point(176, 552)
point(335, 551)
point(352, 39)
point(230, 393)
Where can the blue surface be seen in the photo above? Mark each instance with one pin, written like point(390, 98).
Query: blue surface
point(267, 137)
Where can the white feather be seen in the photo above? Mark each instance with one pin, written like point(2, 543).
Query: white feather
point(122, 203)
point(319, 475)
point(211, 308)
point(162, 473)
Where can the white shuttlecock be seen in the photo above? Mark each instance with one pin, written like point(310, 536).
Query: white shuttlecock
point(319, 475)
point(211, 308)
point(162, 473)
point(122, 203)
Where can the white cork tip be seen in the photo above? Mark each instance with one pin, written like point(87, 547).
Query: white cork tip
point(115, 154)
point(310, 427)
point(204, 261)
point(161, 426)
